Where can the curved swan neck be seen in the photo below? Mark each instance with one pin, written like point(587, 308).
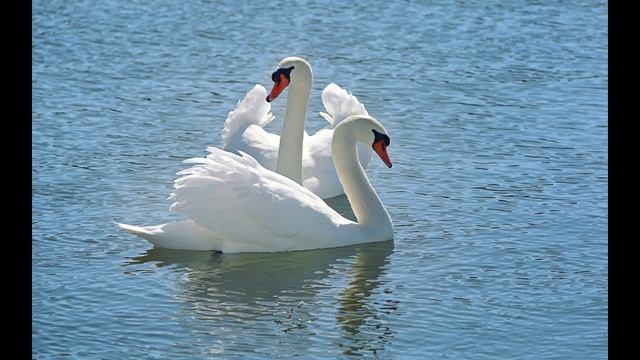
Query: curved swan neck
point(366, 204)
point(290, 150)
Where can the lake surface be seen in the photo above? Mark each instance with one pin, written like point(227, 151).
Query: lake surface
point(498, 116)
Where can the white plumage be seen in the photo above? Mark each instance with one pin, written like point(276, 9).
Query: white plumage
point(244, 131)
point(234, 204)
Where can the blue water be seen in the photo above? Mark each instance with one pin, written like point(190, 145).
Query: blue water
point(497, 113)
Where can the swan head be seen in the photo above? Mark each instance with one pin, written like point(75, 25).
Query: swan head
point(368, 130)
point(292, 71)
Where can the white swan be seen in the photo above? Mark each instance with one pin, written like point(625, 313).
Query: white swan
point(306, 159)
point(236, 205)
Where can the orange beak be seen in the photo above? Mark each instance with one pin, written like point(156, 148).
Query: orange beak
point(381, 149)
point(278, 87)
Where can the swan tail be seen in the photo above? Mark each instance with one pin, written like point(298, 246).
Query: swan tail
point(142, 231)
point(340, 104)
point(252, 110)
point(183, 235)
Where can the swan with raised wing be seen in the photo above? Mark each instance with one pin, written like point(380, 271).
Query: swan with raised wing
point(237, 205)
point(306, 159)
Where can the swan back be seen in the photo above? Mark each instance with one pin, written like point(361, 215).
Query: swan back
point(252, 208)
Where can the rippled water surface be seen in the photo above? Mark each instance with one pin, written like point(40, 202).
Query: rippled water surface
point(498, 117)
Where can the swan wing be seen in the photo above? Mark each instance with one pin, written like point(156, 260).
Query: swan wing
point(340, 104)
point(252, 208)
point(326, 116)
point(318, 171)
point(252, 110)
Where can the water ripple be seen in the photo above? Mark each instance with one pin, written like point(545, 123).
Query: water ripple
point(499, 190)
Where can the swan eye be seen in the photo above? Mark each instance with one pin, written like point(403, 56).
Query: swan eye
point(275, 77)
point(379, 136)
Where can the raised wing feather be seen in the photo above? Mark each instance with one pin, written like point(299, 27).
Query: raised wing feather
point(340, 104)
point(252, 110)
point(245, 203)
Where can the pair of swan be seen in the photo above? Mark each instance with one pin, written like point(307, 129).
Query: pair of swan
point(235, 204)
point(305, 159)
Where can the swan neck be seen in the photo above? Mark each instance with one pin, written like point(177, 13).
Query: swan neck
point(290, 150)
point(366, 204)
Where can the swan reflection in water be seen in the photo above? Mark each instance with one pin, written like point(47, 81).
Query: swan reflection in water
point(258, 297)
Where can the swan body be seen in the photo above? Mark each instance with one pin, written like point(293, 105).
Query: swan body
point(304, 158)
point(234, 204)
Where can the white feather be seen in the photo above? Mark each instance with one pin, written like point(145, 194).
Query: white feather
point(234, 204)
point(318, 172)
